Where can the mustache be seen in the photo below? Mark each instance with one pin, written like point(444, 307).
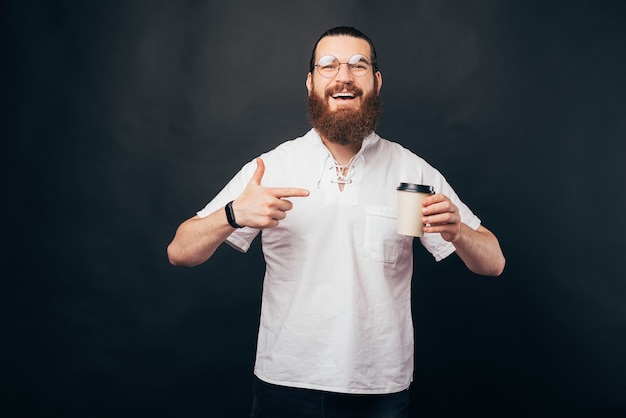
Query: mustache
point(343, 88)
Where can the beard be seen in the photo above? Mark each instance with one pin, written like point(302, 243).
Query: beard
point(345, 126)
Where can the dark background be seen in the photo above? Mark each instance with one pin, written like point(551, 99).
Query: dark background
point(122, 118)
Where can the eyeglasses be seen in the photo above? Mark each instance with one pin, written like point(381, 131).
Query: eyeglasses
point(328, 66)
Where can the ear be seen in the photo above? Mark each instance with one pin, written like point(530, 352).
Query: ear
point(309, 85)
point(379, 78)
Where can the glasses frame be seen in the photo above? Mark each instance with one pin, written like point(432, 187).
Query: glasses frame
point(362, 58)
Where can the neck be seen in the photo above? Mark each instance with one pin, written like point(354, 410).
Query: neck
point(342, 153)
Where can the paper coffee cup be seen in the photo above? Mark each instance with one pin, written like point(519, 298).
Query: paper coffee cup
point(410, 198)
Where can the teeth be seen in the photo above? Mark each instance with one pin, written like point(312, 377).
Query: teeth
point(336, 95)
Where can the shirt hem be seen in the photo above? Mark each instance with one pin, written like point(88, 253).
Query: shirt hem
point(335, 389)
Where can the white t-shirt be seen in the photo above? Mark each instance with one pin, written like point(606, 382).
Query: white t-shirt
point(336, 304)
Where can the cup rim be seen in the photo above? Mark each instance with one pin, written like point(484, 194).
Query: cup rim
point(415, 188)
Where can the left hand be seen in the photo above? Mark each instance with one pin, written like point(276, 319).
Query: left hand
point(441, 215)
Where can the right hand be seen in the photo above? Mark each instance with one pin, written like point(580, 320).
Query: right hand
point(263, 207)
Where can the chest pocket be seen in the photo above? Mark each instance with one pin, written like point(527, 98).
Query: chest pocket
point(382, 242)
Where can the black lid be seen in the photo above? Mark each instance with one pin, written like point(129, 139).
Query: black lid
point(417, 188)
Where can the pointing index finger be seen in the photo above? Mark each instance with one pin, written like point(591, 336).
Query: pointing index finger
point(281, 192)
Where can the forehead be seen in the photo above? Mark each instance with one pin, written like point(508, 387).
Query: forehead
point(343, 47)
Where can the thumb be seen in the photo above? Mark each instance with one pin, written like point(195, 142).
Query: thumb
point(258, 174)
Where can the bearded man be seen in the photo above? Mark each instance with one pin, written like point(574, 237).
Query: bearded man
point(336, 333)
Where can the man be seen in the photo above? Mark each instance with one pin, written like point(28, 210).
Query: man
point(336, 334)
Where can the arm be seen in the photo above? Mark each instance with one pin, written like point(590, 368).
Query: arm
point(197, 239)
point(260, 207)
point(479, 249)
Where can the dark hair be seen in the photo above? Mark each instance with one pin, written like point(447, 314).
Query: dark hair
point(348, 31)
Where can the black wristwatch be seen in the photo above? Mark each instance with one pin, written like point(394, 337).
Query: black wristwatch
point(230, 215)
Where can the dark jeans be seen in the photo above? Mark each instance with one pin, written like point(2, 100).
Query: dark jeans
point(272, 401)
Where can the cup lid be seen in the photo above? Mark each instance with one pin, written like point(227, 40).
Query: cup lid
point(417, 188)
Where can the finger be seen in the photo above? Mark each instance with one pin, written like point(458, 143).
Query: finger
point(258, 174)
point(281, 192)
point(284, 205)
point(280, 214)
point(441, 229)
point(439, 197)
point(442, 206)
point(445, 218)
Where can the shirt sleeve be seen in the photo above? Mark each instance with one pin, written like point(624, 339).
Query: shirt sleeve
point(241, 238)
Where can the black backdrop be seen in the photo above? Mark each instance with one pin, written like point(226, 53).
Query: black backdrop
point(122, 118)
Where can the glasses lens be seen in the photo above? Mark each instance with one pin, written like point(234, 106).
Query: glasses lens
point(328, 66)
point(359, 65)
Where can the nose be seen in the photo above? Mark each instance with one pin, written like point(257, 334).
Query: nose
point(344, 73)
